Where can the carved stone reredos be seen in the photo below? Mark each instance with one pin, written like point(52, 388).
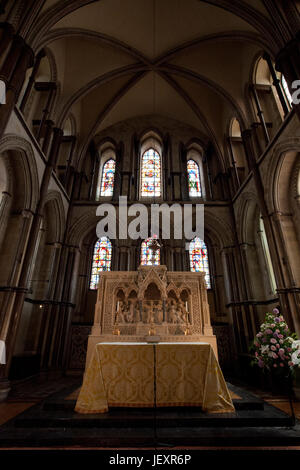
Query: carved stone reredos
point(130, 301)
point(152, 274)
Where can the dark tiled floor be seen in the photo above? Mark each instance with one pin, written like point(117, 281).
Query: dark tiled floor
point(52, 422)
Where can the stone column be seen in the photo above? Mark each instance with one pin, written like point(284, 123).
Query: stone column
point(118, 171)
point(31, 81)
point(284, 232)
point(18, 59)
point(123, 258)
point(178, 258)
point(276, 83)
point(4, 212)
point(13, 314)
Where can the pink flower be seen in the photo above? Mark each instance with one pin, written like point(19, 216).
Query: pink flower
point(281, 341)
point(273, 325)
point(281, 364)
point(269, 331)
point(273, 348)
point(275, 311)
point(281, 351)
point(280, 336)
point(275, 356)
point(274, 365)
point(273, 340)
point(291, 364)
point(277, 346)
point(289, 349)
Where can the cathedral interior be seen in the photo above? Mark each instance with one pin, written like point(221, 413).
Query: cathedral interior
point(160, 101)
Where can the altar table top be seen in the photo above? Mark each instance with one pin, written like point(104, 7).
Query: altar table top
point(122, 375)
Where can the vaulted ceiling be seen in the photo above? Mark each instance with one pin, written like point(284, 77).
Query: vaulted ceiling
point(189, 60)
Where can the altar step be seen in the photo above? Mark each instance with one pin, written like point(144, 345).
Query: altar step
point(54, 423)
point(132, 418)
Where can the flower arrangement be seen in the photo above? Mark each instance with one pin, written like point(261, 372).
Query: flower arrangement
point(276, 349)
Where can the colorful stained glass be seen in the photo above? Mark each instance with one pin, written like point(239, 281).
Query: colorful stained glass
point(199, 258)
point(147, 253)
point(107, 180)
point(150, 174)
point(101, 260)
point(194, 179)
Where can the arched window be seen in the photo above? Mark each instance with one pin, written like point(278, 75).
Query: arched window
point(194, 179)
point(101, 260)
point(199, 258)
point(150, 174)
point(107, 178)
point(286, 90)
point(147, 253)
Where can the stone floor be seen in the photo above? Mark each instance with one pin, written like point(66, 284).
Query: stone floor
point(39, 414)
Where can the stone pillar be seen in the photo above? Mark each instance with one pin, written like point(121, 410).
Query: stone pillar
point(31, 81)
point(48, 133)
point(18, 59)
point(276, 83)
point(46, 111)
point(284, 233)
point(123, 258)
point(178, 258)
point(118, 171)
point(4, 212)
point(13, 312)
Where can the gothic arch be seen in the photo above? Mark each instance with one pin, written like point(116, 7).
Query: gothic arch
point(281, 176)
point(23, 166)
point(57, 214)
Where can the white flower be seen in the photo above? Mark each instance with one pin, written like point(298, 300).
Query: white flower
point(295, 357)
point(264, 349)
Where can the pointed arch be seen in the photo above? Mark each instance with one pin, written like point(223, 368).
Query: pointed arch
point(194, 181)
point(150, 176)
point(147, 252)
point(199, 258)
point(107, 178)
point(101, 260)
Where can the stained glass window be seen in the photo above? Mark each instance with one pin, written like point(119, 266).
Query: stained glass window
point(151, 174)
point(199, 258)
point(147, 252)
point(107, 179)
point(101, 260)
point(286, 90)
point(194, 179)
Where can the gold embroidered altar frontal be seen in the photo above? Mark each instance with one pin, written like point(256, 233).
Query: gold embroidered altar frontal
point(122, 375)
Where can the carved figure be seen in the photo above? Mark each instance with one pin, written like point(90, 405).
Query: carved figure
point(182, 311)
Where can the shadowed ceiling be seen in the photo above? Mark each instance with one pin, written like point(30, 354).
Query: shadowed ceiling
point(189, 60)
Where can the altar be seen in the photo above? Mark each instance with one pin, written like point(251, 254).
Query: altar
point(152, 301)
point(152, 344)
point(148, 375)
